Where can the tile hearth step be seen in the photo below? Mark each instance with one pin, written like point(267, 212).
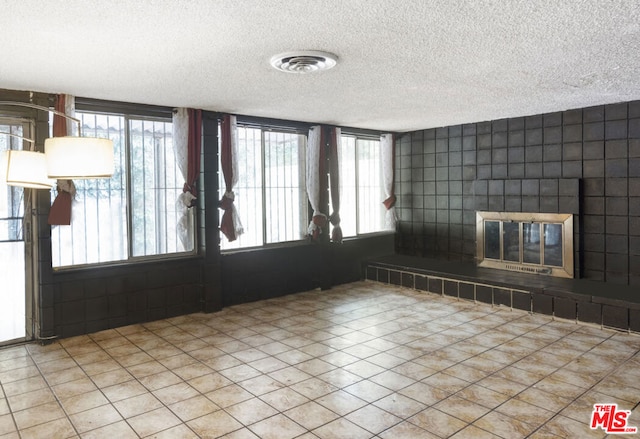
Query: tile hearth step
point(573, 299)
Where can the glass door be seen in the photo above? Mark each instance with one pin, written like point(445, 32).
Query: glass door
point(13, 251)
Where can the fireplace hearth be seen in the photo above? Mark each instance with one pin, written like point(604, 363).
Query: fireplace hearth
point(536, 243)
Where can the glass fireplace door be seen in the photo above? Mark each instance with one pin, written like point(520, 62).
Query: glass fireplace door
point(537, 243)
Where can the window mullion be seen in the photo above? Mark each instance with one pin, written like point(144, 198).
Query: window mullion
point(129, 181)
point(84, 208)
point(357, 161)
point(144, 192)
point(285, 179)
point(285, 175)
point(303, 197)
point(264, 187)
point(157, 197)
point(166, 172)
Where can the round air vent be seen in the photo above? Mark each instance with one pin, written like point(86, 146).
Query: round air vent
point(304, 62)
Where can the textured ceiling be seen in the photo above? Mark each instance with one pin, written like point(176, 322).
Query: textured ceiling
point(403, 65)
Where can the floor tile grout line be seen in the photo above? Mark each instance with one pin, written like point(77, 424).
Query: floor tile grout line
point(403, 363)
point(296, 319)
point(100, 389)
point(110, 403)
point(532, 385)
point(6, 397)
point(55, 395)
point(461, 361)
point(582, 394)
point(355, 383)
point(256, 396)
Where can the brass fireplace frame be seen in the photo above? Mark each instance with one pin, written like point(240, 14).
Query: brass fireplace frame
point(565, 220)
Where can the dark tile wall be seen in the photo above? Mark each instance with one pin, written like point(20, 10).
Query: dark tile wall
point(534, 163)
point(255, 275)
point(108, 297)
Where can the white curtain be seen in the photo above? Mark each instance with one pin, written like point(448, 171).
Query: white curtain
point(386, 146)
point(313, 176)
point(334, 188)
point(180, 148)
point(70, 110)
point(237, 224)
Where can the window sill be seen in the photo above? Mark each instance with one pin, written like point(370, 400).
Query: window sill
point(302, 243)
point(287, 244)
point(128, 263)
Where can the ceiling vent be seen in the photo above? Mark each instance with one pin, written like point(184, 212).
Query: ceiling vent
point(304, 62)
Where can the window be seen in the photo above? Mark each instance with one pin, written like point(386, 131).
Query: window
point(270, 196)
point(133, 214)
point(361, 186)
point(11, 197)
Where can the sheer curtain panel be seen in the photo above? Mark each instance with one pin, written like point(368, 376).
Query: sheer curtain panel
point(388, 166)
point(230, 224)
point(187, 144)
point(334, 172)
point(316, 180)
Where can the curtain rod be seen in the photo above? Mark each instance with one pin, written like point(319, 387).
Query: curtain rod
point(98, 105)
point(265, 122)
point(91, 104)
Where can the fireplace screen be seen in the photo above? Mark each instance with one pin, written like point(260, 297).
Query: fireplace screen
point(537, 243)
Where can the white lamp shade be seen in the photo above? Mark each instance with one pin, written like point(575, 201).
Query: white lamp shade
point(26, 169)
point(73, 158)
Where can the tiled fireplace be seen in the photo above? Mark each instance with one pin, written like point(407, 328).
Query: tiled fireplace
point(584, 161)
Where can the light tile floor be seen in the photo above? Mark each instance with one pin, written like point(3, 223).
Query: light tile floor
point(358, 361)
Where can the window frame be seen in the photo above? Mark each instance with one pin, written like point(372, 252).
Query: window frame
point(128, 112)
point(27, 126)
point(270, 126)
point(360, 135)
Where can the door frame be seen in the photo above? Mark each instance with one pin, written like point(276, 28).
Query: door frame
point(30, 240)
